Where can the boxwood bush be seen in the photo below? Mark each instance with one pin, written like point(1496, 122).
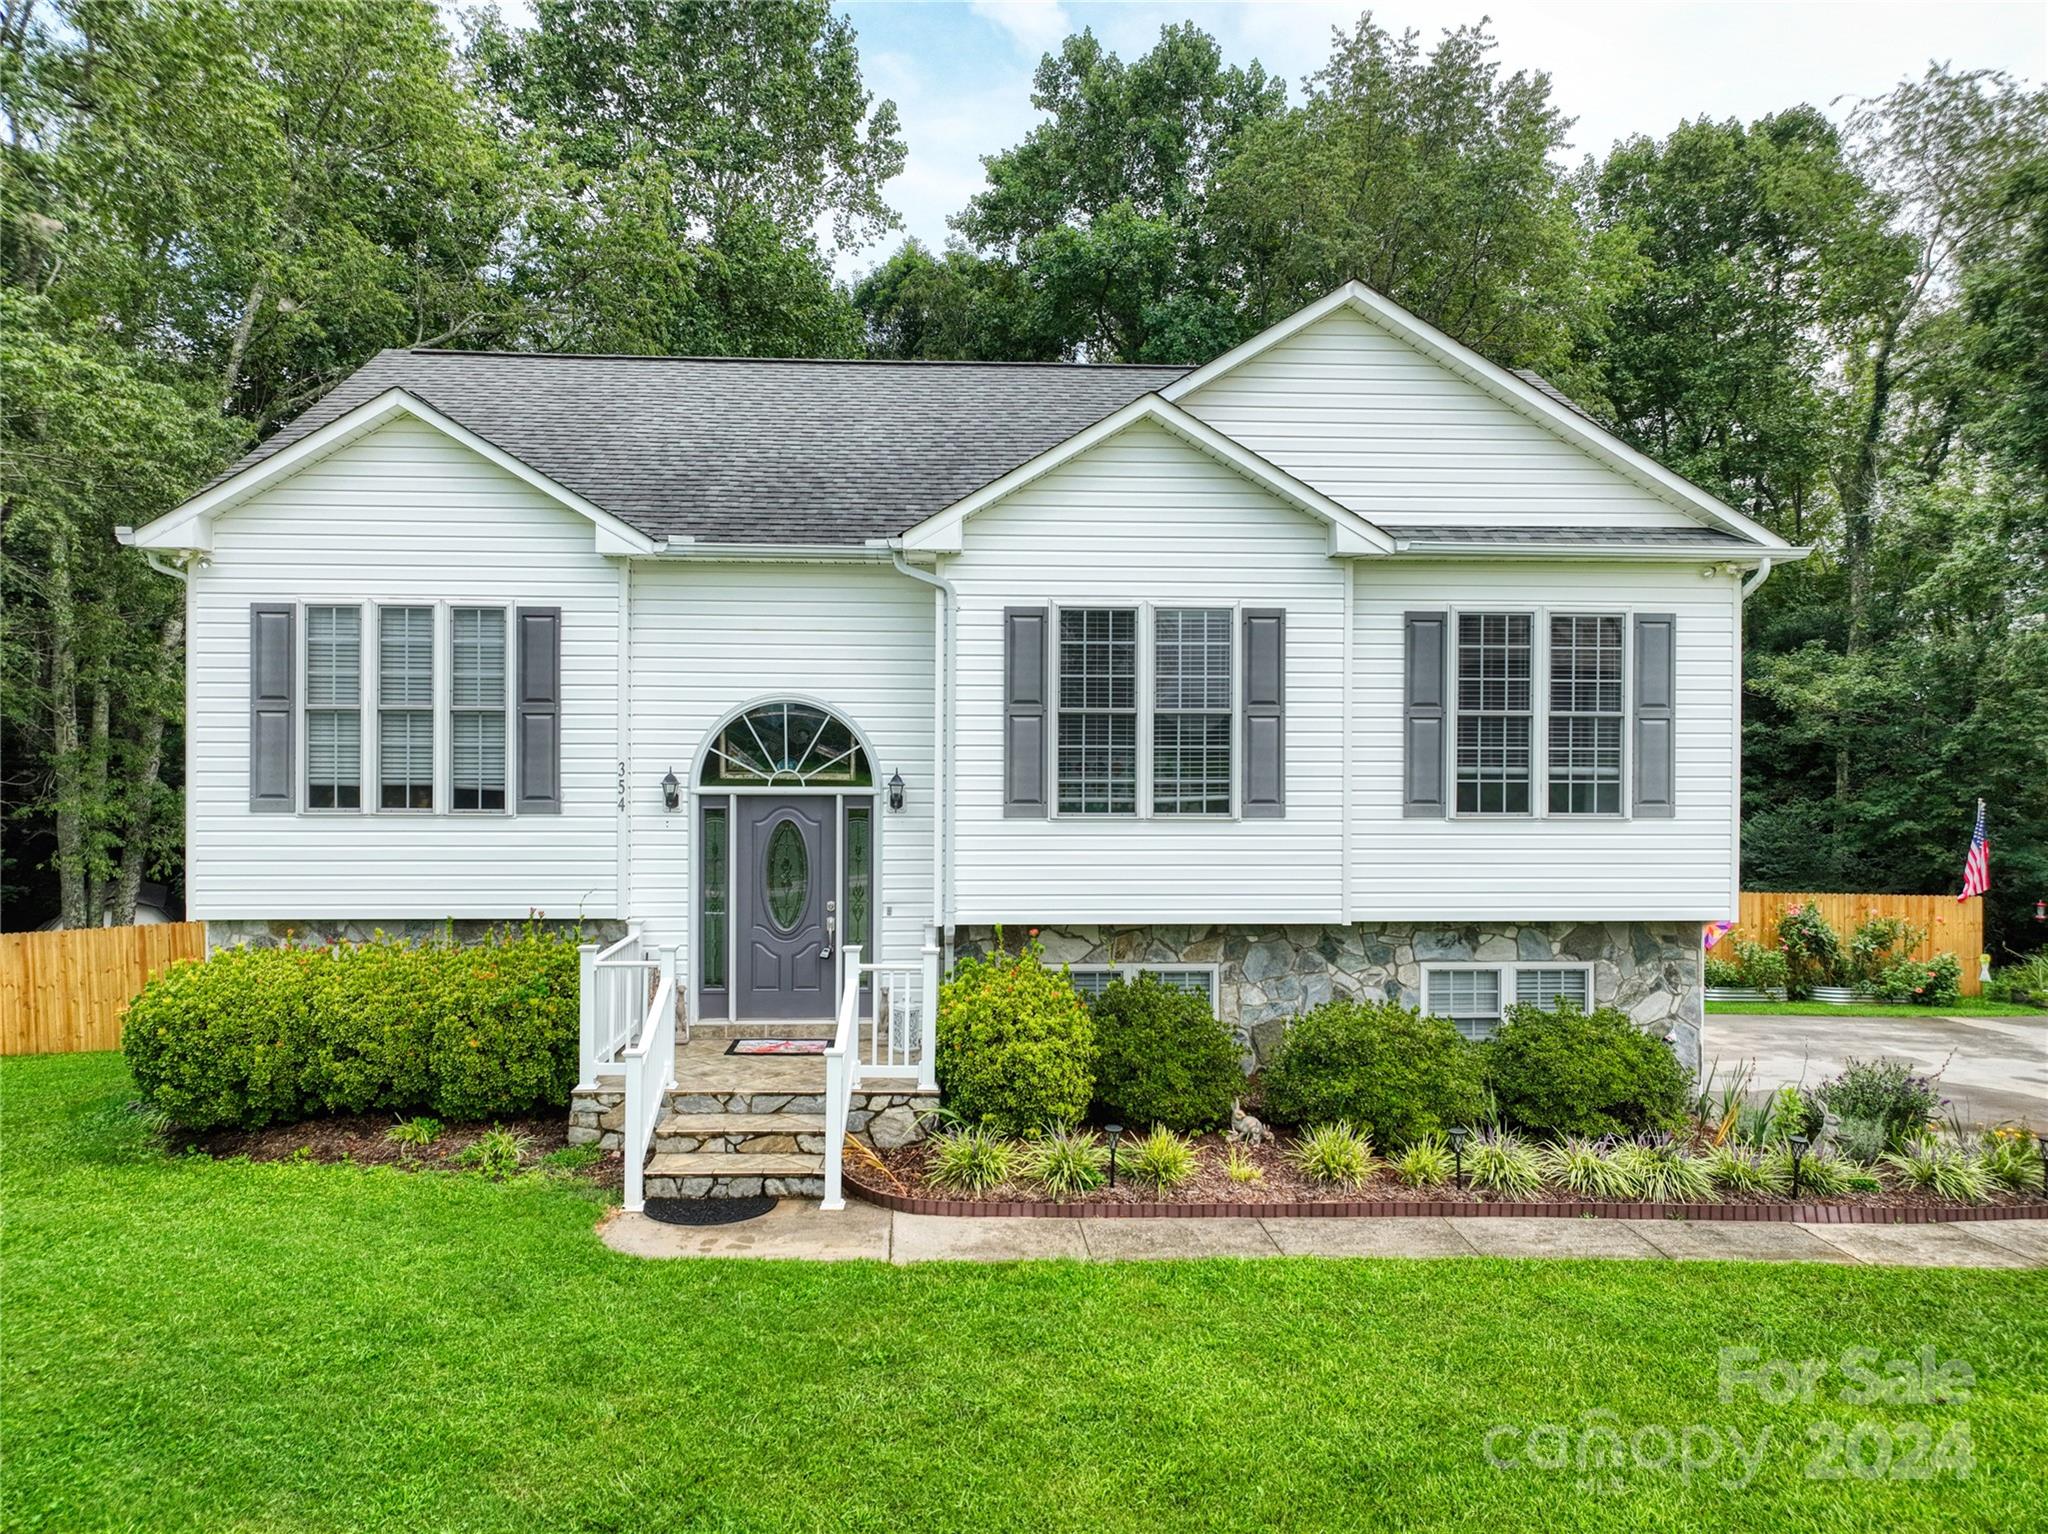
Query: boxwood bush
point(1377, 1066)
point(1016, 1043)
point(256, 1036)
point(1583, 1073)
point(1163, 1057)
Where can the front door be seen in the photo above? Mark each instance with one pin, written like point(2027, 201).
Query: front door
point(783, 862)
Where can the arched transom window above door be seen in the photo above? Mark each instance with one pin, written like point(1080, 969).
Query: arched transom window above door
point(786, 745)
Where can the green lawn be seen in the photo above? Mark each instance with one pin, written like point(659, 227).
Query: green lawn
point(1965, 1008)
point(191, 1345)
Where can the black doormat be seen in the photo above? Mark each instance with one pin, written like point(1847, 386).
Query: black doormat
point(707, 1211)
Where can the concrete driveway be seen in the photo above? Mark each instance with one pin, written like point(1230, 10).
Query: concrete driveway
point(1994, 1070)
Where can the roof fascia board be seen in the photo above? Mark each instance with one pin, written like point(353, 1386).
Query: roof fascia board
point(1646, 553)
point(1497, 381)
point(1350, 533)
point(190, 526)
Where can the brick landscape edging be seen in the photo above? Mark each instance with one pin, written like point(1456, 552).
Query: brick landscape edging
point(1809, 1214)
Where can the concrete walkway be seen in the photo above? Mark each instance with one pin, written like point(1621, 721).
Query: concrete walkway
point(1994, 1070)
point(797, 1228)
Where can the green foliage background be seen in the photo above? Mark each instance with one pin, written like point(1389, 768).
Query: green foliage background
point(1837, 320)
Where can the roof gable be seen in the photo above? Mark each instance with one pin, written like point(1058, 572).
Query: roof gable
point(1349, 533)
point(1496, 416)
point(190, 526)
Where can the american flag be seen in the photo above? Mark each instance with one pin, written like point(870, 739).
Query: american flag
point(1977, 864)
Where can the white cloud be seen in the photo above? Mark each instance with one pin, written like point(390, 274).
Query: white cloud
point(1036, 26)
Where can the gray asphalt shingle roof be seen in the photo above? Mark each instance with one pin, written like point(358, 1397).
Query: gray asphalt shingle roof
point(741, 450)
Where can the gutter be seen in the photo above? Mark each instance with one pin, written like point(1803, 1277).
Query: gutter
point(1666, 553)
point(944, 606)
point(678, 547)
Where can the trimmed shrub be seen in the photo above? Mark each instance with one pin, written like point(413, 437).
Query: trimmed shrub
point(1162, 1057)
point(222, 1042)
point(250, 1037)
point(1394, 1074)
point(1016, 1043)
point(1583, 1073)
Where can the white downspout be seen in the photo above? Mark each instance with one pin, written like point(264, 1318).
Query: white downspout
point(943, 604)
point(1763, 570)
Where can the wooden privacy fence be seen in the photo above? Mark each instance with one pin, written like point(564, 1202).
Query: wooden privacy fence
point(66, 991)
point(1952, 926)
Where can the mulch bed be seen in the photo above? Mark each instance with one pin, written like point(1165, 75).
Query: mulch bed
point(364, 1140)
point(1282, 1190)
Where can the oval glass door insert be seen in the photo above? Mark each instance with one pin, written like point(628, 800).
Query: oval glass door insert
point(788, 880)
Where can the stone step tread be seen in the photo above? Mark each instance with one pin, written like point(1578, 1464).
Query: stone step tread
point(717, 1164)
point(742, 1124)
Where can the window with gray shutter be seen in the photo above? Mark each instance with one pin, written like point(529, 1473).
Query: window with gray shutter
point(334, 708)
point(1097, 756)
point(1422, 735)
point(405, 708)
point(476, 699)
point(1496, 718)
point(273, 676)
point(1024, 711)
point(1265, 714)
point(1656, 714)
point(1191, 711)
point(540, 710)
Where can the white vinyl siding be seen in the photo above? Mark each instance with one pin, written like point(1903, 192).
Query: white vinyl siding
point(1541, 866)
point(1146, 520)
point(400, 517)
point(1404, 441)
point(709, 639)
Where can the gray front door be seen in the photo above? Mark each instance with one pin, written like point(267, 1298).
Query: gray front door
point(786, 898)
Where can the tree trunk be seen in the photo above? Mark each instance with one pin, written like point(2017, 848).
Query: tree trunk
point(64, 734)
point(239, 346)
point(93, 779)
point(1859, 485)
point(148, 768)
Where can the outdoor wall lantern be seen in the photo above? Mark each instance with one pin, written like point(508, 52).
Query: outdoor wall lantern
point(895, 790)
point(1457, 1138)
point(671, 790)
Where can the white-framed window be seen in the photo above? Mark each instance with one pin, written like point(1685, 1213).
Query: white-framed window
point(1193, 719)
point(1585, 727)
point(405, 708)
point(477, 692)
point(1195, 979)
point(334, 708)
point(1495, 749)
point(1476, 996)
point(1095, 755)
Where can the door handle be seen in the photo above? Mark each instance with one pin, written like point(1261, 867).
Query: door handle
point(831, 928)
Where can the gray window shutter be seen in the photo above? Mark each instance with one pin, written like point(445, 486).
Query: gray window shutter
point(1265, 714)
point(1423, 713)
point(1024, 710)
point(273, 677)
point(540, 711)
point(1656, 701)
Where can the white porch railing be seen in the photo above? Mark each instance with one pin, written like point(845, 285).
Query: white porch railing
point(650, 1062)
point(898, 1039)
point(611, 1003)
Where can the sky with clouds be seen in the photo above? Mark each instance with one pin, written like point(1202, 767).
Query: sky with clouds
point(960, 73)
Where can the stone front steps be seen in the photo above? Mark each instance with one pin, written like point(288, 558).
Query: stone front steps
point(734, 1174)
point(740, 1134)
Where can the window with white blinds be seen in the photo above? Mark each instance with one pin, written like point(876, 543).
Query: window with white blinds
point(1191, 722)
point(476, 682)
point(1470, 998)
point(405, 708)
point(1546, 987)
point(1091, 980)
point(334, 699)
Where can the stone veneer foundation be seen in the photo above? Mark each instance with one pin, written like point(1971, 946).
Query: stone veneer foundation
point(1270, 975)
point(320, 931)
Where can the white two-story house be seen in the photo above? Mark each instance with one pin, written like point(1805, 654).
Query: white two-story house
point(1349, 662)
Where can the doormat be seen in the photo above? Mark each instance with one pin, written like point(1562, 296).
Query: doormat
point(707, 1211)
point(778, 1046)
